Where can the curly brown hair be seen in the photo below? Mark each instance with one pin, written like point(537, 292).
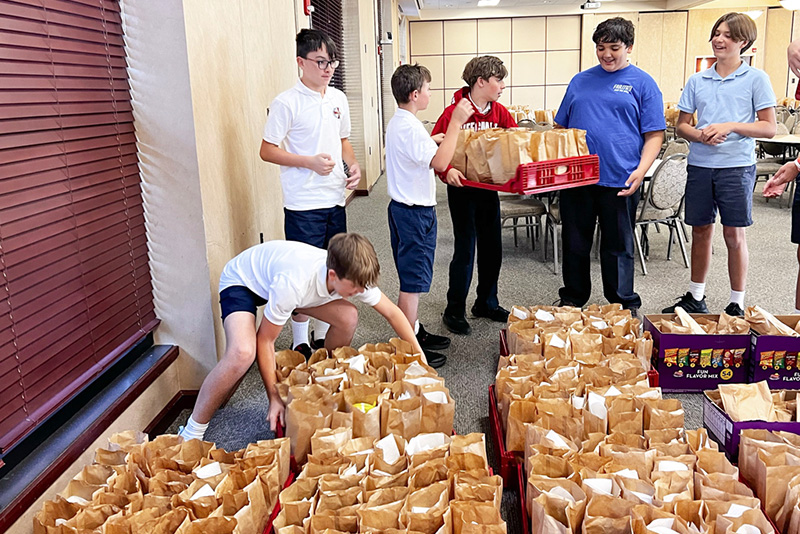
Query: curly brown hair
point(483, 67)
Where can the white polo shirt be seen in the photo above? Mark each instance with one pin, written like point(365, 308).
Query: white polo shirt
point(288, 275)
point(409, 151)
point(307, 123)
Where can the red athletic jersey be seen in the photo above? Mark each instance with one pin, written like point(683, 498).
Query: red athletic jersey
point(497, 117)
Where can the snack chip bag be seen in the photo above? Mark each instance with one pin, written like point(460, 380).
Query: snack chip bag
point(765, 359)
point(670, 357)
point(705, 358)
point(683, 357)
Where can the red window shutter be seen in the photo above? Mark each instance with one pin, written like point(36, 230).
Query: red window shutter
point(327, 18)
point(75, 292)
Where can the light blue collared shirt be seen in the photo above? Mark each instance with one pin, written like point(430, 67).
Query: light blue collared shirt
point(735, 98)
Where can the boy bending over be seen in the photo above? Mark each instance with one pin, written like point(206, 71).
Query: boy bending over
point(287, 276)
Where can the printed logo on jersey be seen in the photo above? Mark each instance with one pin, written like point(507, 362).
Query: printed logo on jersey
point(478, 126)
point(622, 88)
point(337, 113)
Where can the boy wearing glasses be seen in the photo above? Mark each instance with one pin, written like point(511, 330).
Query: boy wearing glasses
point(307, 134)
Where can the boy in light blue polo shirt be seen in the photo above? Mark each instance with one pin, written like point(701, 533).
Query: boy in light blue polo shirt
point(734, 104)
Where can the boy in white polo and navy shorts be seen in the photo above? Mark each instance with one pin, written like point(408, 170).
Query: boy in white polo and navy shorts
point(734, 104)
point(307, 135)
point(411, 157)
point(284, 276)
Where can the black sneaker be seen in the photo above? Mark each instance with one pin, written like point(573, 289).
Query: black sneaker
point(430, 341)
point(734, 309)
point(304, 349)
point(316, 343)
point(435, 359)
point(457, 324)
point(561, 303)
point(689, 305)
point(498, 314)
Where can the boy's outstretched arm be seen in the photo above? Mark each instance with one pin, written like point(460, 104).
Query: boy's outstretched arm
point(265, 356)
point(321, 164)
point(444, 155)
point(777, 182)
point(399, 323)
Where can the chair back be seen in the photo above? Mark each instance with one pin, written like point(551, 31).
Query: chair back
point(790, 121)
point(781, 112)
point(526, 123)
point(666, 190)
point(781, 128)
point(676, 146)
point(428, 126)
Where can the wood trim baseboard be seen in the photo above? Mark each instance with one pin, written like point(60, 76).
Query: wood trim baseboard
point(183, 400)
point(163, 357)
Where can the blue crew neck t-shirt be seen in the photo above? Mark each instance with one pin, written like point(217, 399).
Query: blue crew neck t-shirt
point(615, 109)
point(735, 98)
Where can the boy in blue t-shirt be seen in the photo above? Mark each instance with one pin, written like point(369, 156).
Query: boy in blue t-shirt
point(734, 104)
point(622, 111)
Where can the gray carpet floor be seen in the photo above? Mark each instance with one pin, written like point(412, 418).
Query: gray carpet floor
point(525, 279)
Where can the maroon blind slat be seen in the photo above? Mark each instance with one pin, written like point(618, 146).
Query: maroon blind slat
point(327, 18)
point(75, 291)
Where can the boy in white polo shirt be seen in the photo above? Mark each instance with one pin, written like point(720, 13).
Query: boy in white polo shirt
point(284, 276)
point(734, 104)
point(411, 157)
point(307, 135)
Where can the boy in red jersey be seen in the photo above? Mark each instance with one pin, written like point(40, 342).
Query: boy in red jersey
point(475, 212)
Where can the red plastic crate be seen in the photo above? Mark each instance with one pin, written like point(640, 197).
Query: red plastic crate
point(523, 486)
point(275, 511)
point(508, 460)
point(551, 175)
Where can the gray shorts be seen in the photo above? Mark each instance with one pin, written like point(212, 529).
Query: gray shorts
point(729, 190)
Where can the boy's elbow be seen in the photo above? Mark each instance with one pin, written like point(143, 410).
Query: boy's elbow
point(773, 130)
point(440, 167)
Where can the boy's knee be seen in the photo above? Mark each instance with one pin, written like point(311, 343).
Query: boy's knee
point(347, 317)
point(241, 356)
point(734, 237)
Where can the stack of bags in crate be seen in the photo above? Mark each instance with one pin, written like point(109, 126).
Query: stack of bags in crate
point(562, 363)
point(377, 390)
point(170, 486)
point(430, 484)
point(492, 156)
point(373, 428)
point(664, 481)
point(770, 462)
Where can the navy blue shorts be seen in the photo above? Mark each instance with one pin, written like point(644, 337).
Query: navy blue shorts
point(314, 227)
point(413, 233)
point(730, 190)
point(239, 298)
point(796, 217)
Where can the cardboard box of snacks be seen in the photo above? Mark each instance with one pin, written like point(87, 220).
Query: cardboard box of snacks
point(774, 357)
point(725, 429)
point(696, 362)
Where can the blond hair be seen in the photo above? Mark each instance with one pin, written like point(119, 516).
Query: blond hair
point(741, 26)
point(352, 257)
point(483, 67)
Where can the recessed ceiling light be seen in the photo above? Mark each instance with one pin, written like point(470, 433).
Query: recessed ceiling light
point(488, 3)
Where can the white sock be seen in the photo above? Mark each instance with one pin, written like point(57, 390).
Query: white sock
point(321, 330)
point(416, 327)
point(697, 289)
point(796, 312)
point(193, 429)
point(299, 333)
point(737, 297)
